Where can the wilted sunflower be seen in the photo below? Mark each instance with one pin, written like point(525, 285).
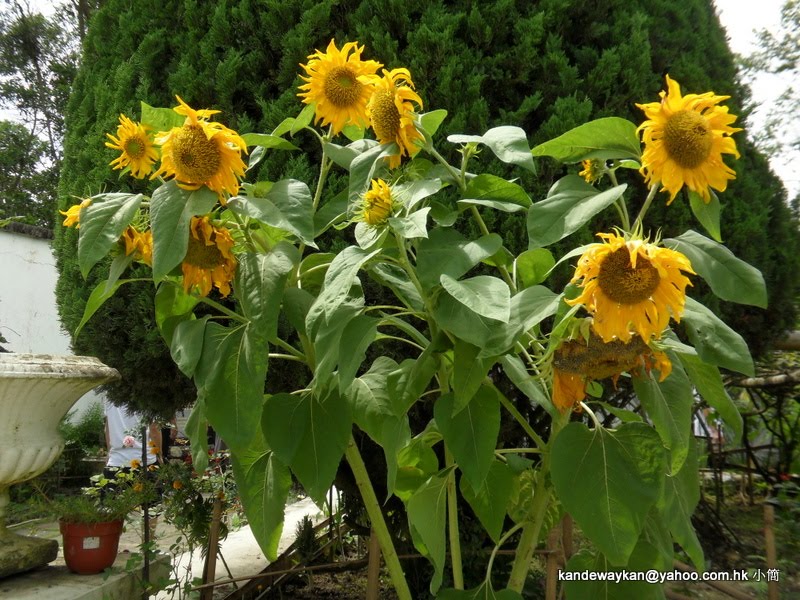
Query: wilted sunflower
point(378, 204)
point(73, 213)
point(209, 260)
point(136, 146)
point(334, 83)
point(391, 112)
point(631, 286)
point(685, 138)
point(576, 362)
point(202, 153)
point(139, 244)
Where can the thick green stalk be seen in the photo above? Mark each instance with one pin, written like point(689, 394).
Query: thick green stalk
point(377, 521)
point(452, 524)
point(541, 502)
point(647, 202)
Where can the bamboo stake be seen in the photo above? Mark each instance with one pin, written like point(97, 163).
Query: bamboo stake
point(373, 567)
point(769, 540)
point(209, 573)
point(551, 565)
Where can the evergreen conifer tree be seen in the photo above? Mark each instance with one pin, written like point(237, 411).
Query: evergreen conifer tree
point(545, 65)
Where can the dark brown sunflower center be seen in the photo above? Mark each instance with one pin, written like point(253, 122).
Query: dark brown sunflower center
point(196, 157)
point(384, 116)
point(134, 147)
point(202, 256)
point(342, 87)
point(623, 283)
point(687, 138)
point(597, 359)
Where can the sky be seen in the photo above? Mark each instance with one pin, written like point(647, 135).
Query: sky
point(741, 19)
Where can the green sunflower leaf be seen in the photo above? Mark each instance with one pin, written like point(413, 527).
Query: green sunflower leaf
point(609, 481)
point(507, 142)
point(669, 405)
point(97, 298)
point(715, 342)
point(448, 252)
point(309, 433)
point(728, 277)
point(287, 206)
point(431, 121)
point(303, 119)
point(102, 224)
point(489, 501)
point(533, 266)
point(471, 434)
point(706, 213)
point(171, 212)
point(266, 140)
point(160, 119)
point(485, 295)
point(569, 205)
point(426, 510)
point(602, 139)
point(708, 381)
point(495, 192)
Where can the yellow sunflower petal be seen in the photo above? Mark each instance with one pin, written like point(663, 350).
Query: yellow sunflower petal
point(136, 147)
point(631, 287)
point(685, 138)
point(208, 262)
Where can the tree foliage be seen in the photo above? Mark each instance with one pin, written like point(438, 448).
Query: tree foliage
point(545, 66)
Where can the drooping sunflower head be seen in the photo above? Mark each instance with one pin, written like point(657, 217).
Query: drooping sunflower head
point(685, 138)
point(334, 83)
point(576, 362)
point(391, 112)
point(136, 147)
point(73, 213)
point(378, 204)
point(209, 260)
point(631, 286)
point(201, 152)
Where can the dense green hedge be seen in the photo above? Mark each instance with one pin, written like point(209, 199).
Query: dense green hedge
point(544, 65)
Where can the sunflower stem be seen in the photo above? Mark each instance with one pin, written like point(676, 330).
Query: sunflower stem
point(592, 416)
point(532, 528)
point(377, 521)
point(246, 231)
point(452, 523)
point(509, 406)
point(499, 545)
point(476, 214)
point(621, 205)
point(223, 309)
point(646, 206)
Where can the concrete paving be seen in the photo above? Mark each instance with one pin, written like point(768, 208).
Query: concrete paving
point(240, 552)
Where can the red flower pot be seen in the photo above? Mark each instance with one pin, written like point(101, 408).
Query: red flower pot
point(90, 548)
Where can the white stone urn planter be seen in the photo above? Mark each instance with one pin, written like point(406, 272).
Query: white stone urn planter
point(36, 391)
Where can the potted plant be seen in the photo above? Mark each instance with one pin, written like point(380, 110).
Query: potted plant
point(91, 522)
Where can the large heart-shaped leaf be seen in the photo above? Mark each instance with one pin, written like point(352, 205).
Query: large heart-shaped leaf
point(608, 481)
point(602, 139)
point(102, 224)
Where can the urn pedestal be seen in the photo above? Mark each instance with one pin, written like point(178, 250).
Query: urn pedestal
point(36, 391)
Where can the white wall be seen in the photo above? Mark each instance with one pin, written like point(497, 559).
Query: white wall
point(28, 315)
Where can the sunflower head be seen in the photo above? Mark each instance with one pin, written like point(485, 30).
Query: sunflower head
point(592, 170)
point(576, 362)
point(73, 213)
point(378, 204)
point(391, 112)
point(201, 152)
point(136, 147)
point(631, 286)
point(334, 83)
point(685, 138)
point(209, 260)
point(139, 244)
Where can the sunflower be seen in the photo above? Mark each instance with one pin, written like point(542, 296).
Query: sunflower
point(202, 153)
point(577, 362)
point(631, 286)
point(685, 138)
point(136, 146)
point(334, 83)
point(73, 213)
point(209, 260)
point(138, 243)
point(391, 112)
point(378, 204)
point(593, 170)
